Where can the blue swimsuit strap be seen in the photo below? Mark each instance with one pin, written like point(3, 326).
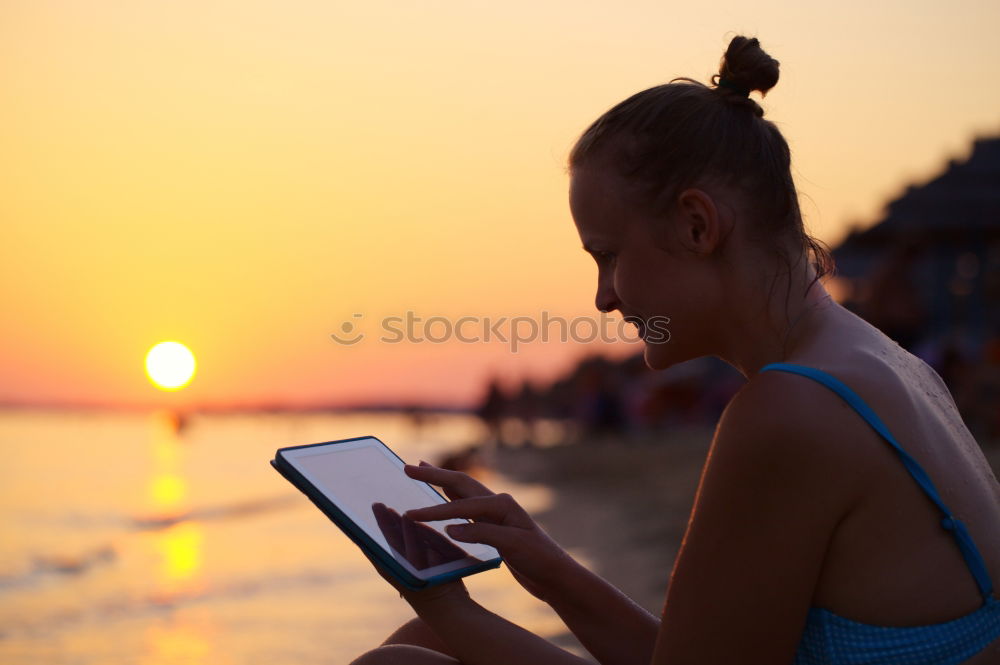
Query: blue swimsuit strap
point(969, 551)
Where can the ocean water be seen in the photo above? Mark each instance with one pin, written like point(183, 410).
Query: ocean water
point(136, 538)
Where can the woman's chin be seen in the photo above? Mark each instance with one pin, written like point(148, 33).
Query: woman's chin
point(658, 356)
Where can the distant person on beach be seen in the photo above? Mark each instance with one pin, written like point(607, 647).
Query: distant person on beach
point(845, 514)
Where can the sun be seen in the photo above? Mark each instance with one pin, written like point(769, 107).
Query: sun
point(170, 365)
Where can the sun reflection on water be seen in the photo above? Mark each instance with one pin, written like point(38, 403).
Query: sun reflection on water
point(192, 639)
point(178, 547)
point(181, 547)
point(179, 552)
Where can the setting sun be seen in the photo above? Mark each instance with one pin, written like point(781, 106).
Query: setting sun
point(170, 365)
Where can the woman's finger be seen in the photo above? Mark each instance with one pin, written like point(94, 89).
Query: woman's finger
point(497, 508)
point(390, 523)
point(413, 549)
point(453, 482)
point(500, 537)
point(451, 494)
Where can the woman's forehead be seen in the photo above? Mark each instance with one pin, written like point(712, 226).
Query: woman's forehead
point(594, 197)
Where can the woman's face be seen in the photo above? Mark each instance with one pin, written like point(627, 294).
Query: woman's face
point(670, 295)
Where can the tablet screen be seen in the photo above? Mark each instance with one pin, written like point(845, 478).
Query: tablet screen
point(365, 480)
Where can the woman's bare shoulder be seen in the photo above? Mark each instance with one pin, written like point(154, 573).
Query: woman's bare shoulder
point(795, 419)
point(782, 402)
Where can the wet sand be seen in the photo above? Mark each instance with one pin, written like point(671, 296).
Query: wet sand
point(622, 507)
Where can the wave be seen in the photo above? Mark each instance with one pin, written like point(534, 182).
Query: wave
point(59, 564)
point(224, 512)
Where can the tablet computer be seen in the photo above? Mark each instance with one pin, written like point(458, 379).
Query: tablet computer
point(360, 485)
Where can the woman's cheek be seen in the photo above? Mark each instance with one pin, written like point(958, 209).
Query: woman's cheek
point(637, 289)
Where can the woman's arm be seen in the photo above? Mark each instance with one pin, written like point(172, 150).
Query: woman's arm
point(610, 625)
point(613, 627)
point(477, 636)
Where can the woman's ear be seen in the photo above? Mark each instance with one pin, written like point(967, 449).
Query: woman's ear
point(698, 224)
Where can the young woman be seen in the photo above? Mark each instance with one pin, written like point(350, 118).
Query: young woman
point(845, 514)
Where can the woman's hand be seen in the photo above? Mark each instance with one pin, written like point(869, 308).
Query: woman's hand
point(453, 589)
point(531, 555)
point(421, 545)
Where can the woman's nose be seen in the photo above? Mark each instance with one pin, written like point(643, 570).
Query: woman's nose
point(607, 299)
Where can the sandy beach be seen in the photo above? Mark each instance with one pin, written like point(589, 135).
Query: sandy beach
point(622, 506)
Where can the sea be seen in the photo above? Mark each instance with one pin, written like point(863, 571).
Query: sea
point(149, 538)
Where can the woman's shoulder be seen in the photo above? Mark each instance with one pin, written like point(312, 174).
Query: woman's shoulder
point(786, 405)
point(795, 422)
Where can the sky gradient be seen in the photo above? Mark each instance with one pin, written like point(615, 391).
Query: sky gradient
point(246, 176)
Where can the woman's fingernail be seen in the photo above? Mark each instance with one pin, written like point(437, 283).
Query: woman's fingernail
point(423, 463)
point(455, 530)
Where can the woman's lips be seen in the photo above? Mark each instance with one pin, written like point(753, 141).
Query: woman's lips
point(639, 324)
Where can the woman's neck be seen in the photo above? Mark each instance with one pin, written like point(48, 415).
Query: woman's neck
point(763, 329)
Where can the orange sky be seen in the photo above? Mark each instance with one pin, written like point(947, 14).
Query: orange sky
point(245, 176)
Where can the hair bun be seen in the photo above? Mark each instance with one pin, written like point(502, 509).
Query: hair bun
point(747, 66)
